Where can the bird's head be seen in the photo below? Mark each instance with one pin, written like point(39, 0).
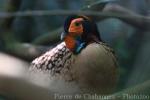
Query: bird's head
point(78, 32)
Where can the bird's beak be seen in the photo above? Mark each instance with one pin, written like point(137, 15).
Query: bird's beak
point(63, 35)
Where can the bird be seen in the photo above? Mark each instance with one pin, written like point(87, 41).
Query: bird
point(81, 63)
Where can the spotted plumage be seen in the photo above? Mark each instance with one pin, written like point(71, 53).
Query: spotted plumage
point(54, 61)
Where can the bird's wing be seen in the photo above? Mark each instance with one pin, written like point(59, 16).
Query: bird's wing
point(95, 68)
point(52, 70)
point(53, 60)
point(110, 52)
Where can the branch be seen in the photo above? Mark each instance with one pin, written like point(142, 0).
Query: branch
point(113, 11)
point(26, 51)
point(49, 13)
point(97, 5)
point(128, 16)
point(141, 89)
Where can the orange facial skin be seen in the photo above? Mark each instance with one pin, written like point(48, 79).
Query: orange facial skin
point(75, 29)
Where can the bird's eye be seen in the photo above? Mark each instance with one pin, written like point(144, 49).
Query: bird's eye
point(77, 24)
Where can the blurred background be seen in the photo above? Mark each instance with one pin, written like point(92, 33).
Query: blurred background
point(27, 35)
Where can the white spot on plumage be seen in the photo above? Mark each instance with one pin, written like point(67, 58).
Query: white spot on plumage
point(49, 65)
